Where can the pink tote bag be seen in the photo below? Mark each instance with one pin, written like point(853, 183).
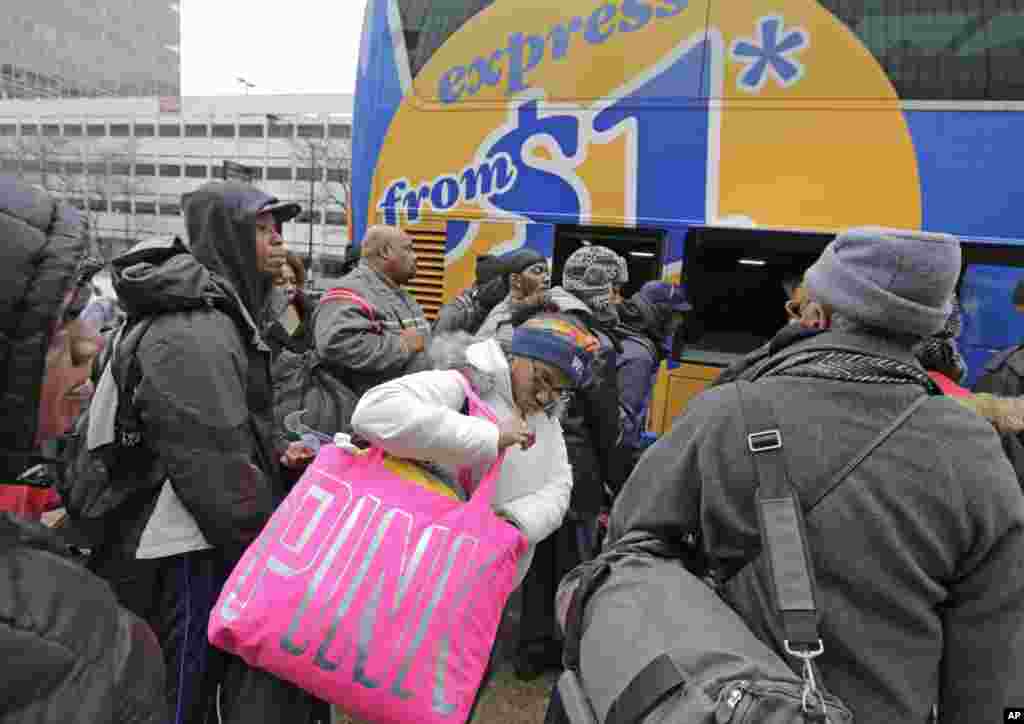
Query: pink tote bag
point(372, 592)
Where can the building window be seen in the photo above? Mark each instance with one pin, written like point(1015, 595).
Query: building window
point(308, 174)
point(121, 207)
point(54, 167)
point(170, 130)
point(279, 173)
point(223, 130)
point(170, 208)
point(335, 218)
point(9, 164)
point(311, 131)
point(170, 170)
point(98, 205)
point(98, 168)
point(96, 130)
point(196, 130)
point(145, 207)
point(8, 129)
point(195, 171)
point(337, 175)
point(77, 203)
point(281, 130)
point(339, 130)
point(249, 130)
point(257, 173)
point(30, 165)
point(305, 216)
point(75, 168)
point(29, 129)
point(51, 129)
point(120, 130)
point(120, 168)
point(145, 130)
point(73, 130)
point(145, 169)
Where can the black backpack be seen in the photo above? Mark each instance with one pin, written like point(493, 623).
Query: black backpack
point(96, 483)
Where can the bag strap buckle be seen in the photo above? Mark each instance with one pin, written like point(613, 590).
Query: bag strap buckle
point(812, 701)
point(764, 441)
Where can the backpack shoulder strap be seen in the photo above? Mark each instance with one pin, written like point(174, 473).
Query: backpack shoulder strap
point(341, 294)
point(780, 519)
point(781, 515)
point(127, 373)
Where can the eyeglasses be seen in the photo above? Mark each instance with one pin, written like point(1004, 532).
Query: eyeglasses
point(559, 397)
point(537, 269)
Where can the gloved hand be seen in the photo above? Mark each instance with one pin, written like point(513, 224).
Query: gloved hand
point(492, 293)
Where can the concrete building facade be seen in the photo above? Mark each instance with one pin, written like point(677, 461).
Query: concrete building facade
point(90, 48)
point(126, 161)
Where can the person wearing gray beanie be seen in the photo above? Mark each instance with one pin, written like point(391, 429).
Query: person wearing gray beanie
point(912, 514)
point(591, 274)
point(898, 281)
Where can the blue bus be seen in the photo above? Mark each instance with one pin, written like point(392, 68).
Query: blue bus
point(721, 142)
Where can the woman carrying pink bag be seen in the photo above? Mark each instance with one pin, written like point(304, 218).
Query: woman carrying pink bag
point(420, 417)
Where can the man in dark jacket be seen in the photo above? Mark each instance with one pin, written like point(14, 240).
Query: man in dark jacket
point(527, 284)
point(592, 428)
point(919, 554)
point(387, 338)
point(204, 400)
point(71, 654)
point(648, 321)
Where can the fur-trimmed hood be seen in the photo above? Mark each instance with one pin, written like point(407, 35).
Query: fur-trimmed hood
point(483, 362)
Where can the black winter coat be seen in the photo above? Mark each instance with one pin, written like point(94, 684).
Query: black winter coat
point(593, 432)
point(205, 397)
point(71, 654)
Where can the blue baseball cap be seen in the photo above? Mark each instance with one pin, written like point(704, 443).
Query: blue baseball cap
point(663, 294)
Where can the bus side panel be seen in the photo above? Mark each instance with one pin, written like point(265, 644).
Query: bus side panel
point(970, 183)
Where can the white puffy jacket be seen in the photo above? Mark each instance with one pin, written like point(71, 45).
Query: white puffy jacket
point(419, 417)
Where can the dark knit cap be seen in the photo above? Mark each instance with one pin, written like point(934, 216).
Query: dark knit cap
point(514, 262)
point(900, 281)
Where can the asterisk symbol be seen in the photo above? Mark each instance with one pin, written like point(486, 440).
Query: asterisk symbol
point(771, 54)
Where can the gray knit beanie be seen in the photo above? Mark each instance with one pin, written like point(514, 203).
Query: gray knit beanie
point(589, 274)
point(900, 281)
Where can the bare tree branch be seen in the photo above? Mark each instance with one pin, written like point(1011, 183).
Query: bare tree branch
point(93, 175)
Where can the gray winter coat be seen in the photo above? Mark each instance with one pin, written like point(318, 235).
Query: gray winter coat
point(919, 554)
point(365, 352)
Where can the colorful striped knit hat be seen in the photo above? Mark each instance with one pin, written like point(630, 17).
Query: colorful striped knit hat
point(559, 341)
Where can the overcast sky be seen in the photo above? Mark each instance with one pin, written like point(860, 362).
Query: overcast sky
point(294, 46)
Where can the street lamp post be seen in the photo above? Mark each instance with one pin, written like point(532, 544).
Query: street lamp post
point(312, 190)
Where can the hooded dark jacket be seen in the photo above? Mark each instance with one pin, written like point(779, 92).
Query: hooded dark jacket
point(918, 555)
point(71, 654)
point(640, 336)
point(205, 398)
